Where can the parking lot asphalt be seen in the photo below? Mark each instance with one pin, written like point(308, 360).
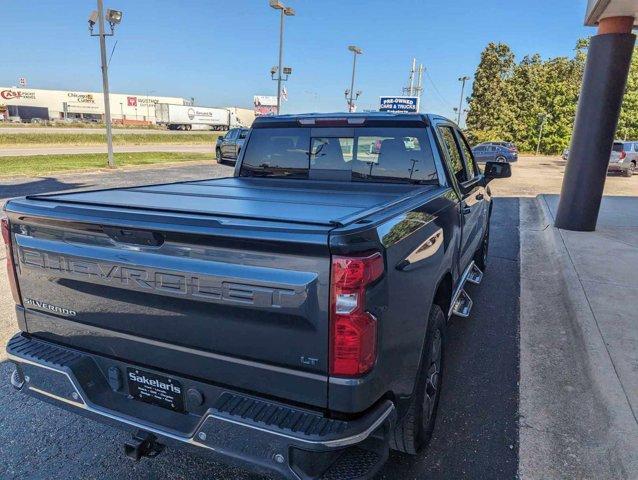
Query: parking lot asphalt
point(476, 430)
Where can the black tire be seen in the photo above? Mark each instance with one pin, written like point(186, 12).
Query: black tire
point(480, 257)
point(630, 171)
point(501, 159)
point(414, 431)
point(218, 155)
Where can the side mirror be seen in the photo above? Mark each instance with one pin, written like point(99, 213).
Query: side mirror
point(497, 170)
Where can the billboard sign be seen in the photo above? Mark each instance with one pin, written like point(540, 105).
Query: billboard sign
point(399, 104)
point(265, 105)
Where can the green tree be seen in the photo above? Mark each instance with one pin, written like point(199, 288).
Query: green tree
point(509, 100)
point(628, 121)
point(489, 109)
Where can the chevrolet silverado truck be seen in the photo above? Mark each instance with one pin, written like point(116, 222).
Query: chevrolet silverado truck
point(291, 318)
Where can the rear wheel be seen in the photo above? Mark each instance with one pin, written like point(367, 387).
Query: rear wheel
point(218, 155)
point(630, 170)
point(413, 432)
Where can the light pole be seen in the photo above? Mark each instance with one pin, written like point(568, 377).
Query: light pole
point(114, 17)
point(355, 51)
point(288, 12)
point(462, 79)
point(542, 118)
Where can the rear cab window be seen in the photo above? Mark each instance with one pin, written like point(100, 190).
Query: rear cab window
point(368, 154)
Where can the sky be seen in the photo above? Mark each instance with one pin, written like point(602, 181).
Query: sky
point(220, 52)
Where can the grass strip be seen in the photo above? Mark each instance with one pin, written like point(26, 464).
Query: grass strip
point(177, 138)
point(37, 165)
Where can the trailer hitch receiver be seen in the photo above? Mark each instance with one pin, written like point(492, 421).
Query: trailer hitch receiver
point(143, 444)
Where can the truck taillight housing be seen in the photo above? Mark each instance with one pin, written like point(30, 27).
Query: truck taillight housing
point(353, 330)
point(11, 270)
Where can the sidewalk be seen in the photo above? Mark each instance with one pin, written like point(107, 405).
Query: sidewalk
point(579, 343)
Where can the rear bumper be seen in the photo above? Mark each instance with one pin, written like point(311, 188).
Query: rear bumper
point(260, 434)
point(618, 167)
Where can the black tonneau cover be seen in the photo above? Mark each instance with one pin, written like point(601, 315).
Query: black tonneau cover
point(286, 200)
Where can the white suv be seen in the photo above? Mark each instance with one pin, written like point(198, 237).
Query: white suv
point(624, 157)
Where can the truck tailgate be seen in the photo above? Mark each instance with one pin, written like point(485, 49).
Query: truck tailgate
point(234, 293)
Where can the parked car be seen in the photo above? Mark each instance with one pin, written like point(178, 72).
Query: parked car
point(508, 145)
point(624, 157)
point(491, 152)
point(291, 318)
point(228, 147)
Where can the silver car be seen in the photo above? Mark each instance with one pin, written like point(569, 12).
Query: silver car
point(624, 157)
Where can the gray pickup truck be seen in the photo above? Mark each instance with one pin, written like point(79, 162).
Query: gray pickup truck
point(228, 147)
point(291, 319)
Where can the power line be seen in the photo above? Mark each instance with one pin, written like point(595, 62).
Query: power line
point(436, 90)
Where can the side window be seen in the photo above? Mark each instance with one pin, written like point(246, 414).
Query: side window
point(635, 147)
point(447, 134)
point(467, 153)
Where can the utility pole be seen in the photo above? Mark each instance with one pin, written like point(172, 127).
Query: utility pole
point(289, 12)
point(114, 17)
point(355, 51)
point(462, 79)
point(415, 82)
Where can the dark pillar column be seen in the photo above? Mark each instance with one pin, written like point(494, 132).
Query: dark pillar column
point(599, 105)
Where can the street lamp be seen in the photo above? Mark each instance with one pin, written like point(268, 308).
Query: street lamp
point(288, 12)
point(542, 117)
point(113, 17)
point(349, 93)
point(462, 79)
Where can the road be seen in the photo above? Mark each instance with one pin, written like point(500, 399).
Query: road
point(476, 430)
point(116, 131)
point(62, 150)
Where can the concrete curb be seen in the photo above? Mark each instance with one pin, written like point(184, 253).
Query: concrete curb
point(576, 421)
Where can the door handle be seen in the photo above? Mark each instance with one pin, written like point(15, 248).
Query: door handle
point(479, 196)
point(465, 210)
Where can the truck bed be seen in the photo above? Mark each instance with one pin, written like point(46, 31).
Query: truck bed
point(279, 200)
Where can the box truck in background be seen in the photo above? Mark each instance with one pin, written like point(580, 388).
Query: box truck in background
point(186, 117)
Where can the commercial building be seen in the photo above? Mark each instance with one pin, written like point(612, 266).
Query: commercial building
point(27, 104)
point(67, 104)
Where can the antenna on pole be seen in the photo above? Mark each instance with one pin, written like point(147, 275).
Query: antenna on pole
point(415, 81)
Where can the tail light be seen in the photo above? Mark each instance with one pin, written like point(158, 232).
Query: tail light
point(623, 154)
point(353, 330)
point(11, 269)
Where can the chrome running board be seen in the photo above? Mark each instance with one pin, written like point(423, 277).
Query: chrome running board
point(461, 304)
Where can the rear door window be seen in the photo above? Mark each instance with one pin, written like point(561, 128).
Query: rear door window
point(454, 153)
point(467, 153)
